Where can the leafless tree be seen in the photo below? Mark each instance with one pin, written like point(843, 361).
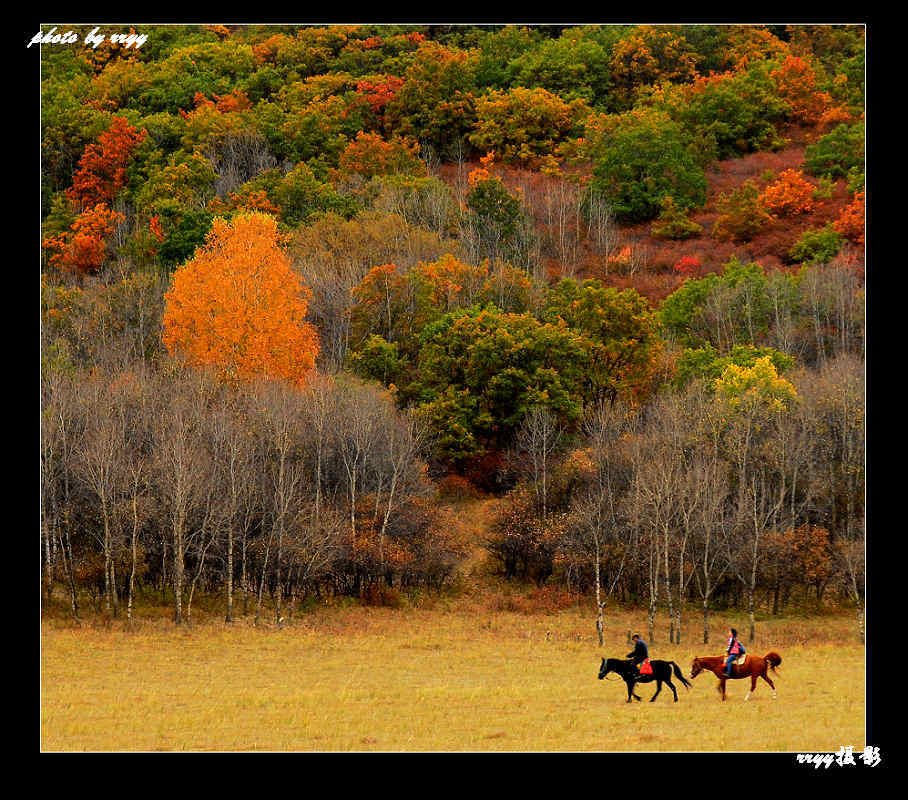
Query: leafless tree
point(597, 508)
point(60, 432)
point(238, 157)
point(100, 465)
point(537, 440)
point(180, 466)
point(361, 411)
point(710, 530)
point(835, 398)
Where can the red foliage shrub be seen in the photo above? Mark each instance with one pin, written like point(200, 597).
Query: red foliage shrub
point(688, 266)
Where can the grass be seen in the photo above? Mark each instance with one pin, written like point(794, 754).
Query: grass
point(453, 676)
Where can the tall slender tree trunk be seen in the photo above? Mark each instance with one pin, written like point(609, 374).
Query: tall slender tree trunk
point(133, 548)
point(107, 604)
point(66, 550)
point(115, 597)
point(229, 617)
point(600, 622)
point(178, 566)
point(244, 578)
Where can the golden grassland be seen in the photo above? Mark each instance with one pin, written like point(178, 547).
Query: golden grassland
point(451, 675)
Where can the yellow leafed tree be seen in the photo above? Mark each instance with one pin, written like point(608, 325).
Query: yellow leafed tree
point(237, 306)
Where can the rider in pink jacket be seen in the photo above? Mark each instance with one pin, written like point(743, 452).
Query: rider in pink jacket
point(734, 649)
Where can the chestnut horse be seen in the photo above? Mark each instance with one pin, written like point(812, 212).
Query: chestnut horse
point(753, 667)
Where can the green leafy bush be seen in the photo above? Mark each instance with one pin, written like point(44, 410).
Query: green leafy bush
point(816, 246)
point(836, 153)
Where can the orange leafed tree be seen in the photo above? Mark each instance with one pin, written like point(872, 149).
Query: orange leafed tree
point(238, 306)
point(102, 167)
point(83, 248)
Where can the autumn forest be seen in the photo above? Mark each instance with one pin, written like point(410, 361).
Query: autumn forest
point(308, 293)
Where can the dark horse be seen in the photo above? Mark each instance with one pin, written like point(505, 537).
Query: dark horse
point(753, 667)
point(662, 672)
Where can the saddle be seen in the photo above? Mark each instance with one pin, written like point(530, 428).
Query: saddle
point(646, 668)
point(740, 659)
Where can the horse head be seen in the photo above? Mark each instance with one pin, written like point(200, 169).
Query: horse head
point(603, 669)
point(695, 668)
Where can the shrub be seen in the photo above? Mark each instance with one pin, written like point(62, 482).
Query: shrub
point(816, 246)
point(673, 223)
point(741, 214)
point(836, 153)
point(376, 594)
point(688, 266)
point(825, 187)
point(851, 221)
point(791, 194)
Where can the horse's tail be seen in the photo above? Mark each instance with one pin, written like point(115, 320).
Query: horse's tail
point(679, 675)
point(773, 659)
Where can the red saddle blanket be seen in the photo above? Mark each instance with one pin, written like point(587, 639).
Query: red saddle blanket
point(646, 668)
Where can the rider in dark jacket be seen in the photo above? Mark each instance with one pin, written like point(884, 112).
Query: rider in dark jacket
point(639, 653)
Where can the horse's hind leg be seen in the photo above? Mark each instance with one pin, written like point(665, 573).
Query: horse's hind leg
point(771, 684)
point(658, 689)
point(753, 685)
point(672, 687)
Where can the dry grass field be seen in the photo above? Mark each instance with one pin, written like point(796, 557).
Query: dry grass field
point(453, 676)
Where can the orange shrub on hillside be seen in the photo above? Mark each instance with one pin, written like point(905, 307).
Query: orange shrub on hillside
point(851, 223)
point(790, 194)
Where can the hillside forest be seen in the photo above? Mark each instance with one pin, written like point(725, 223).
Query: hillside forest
point(309, 294)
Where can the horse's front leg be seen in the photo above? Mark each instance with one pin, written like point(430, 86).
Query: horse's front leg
point(771, 685)
point(630, 689)
point(658, 689)
point(753, 685)
point(722, 688)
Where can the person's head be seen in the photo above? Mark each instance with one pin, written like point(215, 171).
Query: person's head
point(635, 637)
point(733, 632)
